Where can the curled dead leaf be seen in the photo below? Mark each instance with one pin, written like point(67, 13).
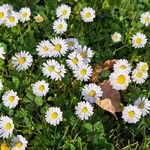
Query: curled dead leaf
point(99, 68)
point(106, 104)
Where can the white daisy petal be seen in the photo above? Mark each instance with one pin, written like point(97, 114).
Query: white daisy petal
point(24, 14)
point(63, 11)
point(131, 114)
point(91, 92)
point(119, 80)
point(116, 37)
point(6, 127)
point(87, 14)
point(60, 26)
point(139, 40)
point(10, 99)
point(72, 43)
point(145, 18)
point(84, 110)
point(19, 143)
point(53, 116)
point(40, 88)
point(22, 60)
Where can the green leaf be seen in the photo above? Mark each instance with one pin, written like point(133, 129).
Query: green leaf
point(39, 101)
point(88, 126)
point(16, 81)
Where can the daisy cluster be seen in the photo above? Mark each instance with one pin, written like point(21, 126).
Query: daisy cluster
point(139, 39)
point(10, 18)
point(133, 113)
point(63, 13)
point(123, 74)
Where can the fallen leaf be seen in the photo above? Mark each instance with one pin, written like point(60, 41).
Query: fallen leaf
point(102, 67)
point(106, 104)
point(112, 94)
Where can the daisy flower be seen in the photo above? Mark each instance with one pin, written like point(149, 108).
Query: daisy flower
point(145, 18)
point(139, 76)
point(84, 110)
point(5, 146)
point(63, 11)
point(53, 116)
point(139, 40)
point(38, 18)
point(72, 43)
point(143, 66)
point(83, 72)
point(123, 65)
point(50, 68)
point(87, 14)
point(60, 73)
point(40, 88)
point(85, 52)
point(131, 114)
point(19, 143)
point(3, 14)
point(12, 19)
point(60, 26)
point(2, 53)
point(44, 49)
point(143, 104)
point(8, 7)
point(1, 85)
point(59, 47)
point(116, 37)
point(24, 14)
point(91, 92)
point(74, 59)
point(22, 60)
point(6, 126)
point(10, 99)
point(119, 80)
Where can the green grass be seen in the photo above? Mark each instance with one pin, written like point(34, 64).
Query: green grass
point(103, 131)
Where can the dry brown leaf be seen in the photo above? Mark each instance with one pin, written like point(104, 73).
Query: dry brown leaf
point(110, 93)
point(108, 64)
point(99, 68)
point(106, 104)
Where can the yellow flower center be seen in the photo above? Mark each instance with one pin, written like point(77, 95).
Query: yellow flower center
point(115, 36)
point(71, 43)
point(83, 72)
point(57, 47)
point(141, 105)
point(75, 61)
point(24, 14)
point(145, 67)
point(88, 15)
point(131, 114)
point(64, 12)
point(19, 145)
point(54, 115)
point(11, 19)
point(45, 49)
point(84, 109)
point(139, 74)
point(41, 88)
point(146, 19)
point(11, 99)
point(51, 68)
point(5, 146)
point(8, 126)
point(1, 15)
point(91, 93)
point(21, 60)
point(83, 54)
point(138, 41)
point(122, 67)
point(60, 26)
point(121, 79)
